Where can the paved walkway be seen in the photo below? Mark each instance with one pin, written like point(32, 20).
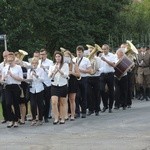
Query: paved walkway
point(122, 130)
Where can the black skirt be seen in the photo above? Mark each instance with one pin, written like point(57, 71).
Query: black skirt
point(73, 84)
point(60, 91)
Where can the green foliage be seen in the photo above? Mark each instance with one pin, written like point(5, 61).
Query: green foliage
point(136, 22)
point(33, 24)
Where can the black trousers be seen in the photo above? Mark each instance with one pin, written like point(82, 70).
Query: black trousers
point(121, 87)
point(81, 97)
point(36, 102)
point(4, 108)
point(94, 94)
point(107, 79)
point(47, 98)
point(12, 95)
point(130, 88)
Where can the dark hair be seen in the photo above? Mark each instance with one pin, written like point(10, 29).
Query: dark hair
point(36, 51)
point(43, 50)
point(80, 48)
point(62, 58)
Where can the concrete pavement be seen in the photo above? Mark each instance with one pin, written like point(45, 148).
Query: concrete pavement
point(121, 130)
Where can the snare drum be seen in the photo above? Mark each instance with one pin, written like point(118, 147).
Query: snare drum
point(123, 66)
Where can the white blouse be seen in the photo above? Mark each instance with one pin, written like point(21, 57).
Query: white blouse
point(37, 82)
point(59, 79)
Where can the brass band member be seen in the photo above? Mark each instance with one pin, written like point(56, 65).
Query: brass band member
point(107, 77)
point(46, 63)
point(4, 110)
point(59, 77)
point(94, 84)
point(144, 73)
point(36, 76)
point(72, 82)
point(85, 69)
point(12, 76)
point(121, 85)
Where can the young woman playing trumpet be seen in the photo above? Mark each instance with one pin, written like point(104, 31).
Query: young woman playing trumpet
point(59, 76)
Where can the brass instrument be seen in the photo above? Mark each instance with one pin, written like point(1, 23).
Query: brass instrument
point(21, 54)
point(63, 50)
point(93, 60)
point(131, 51)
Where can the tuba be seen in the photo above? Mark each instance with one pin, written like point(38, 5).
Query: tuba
point(21, 54)
point(93, 60)
point(64, 50)
point(131, 51)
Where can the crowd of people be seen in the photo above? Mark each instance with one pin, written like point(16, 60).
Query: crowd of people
point(70, 87)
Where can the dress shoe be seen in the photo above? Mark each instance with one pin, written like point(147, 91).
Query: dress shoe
point(21, 123)
point(129, 106)
point(83, 116)
point(124, 108)
point(50, 117)
point(90, 113)
point(96, 113)
point(62, 122)
point(142, 98)
point(147, 99)
point(15, 124)
point(104, 109)
point(77, 116)
point(3, 121)
point(46, 120)
point(10, 124)
point(33, 123)
point(116, 107)
point(66, 119)
point(110, 111)
point(39, 123)
point(55, 122)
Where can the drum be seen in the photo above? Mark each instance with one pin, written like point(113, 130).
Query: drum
point(123, 66)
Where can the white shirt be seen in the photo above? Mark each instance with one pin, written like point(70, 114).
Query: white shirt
point(104, 67)
point(97, 62)
point(58, 79)
point(47, 63)
point(37, 83)
point(15, 70)
point(84, 64)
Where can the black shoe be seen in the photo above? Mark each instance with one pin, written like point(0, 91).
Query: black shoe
point(104, 109)
point(55, 122)
point(129, 106)
point(77, 116)
point(83, 116)
point(147, 99)
point(110, 111)
point(142, 98)
point(50, 117)
point(90, 113)
point(116, 107)
point(96, 113)
point(46, 120)
point(21, 123)
point(124, 108)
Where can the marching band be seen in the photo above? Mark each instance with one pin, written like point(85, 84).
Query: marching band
point(69, 87)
